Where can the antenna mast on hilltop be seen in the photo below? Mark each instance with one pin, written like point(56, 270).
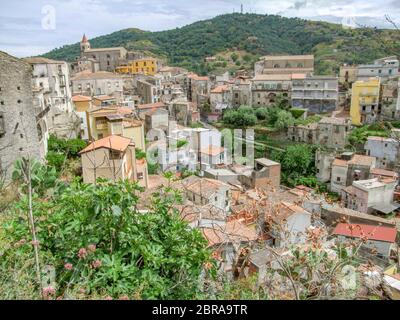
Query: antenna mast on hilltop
point(241, 8)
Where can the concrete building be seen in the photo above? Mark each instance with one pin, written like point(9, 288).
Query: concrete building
point(156, 119)
point(82, 106)
point(202, 191)
point(211, 157)
point(98, 83)
point(371, 196)
point(148, 88)
point(323, 163)
point(348, 168)
point(385, 150)
point(287, 224)
point(21, 130)
point(221, 98)
point(142, 109)
point(113, 158)
point(108, 58)
point(146, 66)
point(266, 87)
point(317, 94)
point(382, 68)
point(365, 108)
point(118, 121)
point(53, 80)
point(285, 65)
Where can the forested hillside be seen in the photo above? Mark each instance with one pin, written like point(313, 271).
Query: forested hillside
point(255, 34)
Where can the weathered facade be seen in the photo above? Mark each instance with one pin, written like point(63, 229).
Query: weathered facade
point(317, 94)
point(285, 64)
point(20, 134)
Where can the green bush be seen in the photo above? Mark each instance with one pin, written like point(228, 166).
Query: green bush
point(70, 148)
point(297, 113)
point(56, 160)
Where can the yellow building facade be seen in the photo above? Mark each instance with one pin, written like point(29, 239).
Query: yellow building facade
point(365, 101)
point(147, 66)
point(109, 121)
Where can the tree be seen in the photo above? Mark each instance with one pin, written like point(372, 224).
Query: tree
point(297, 162)
point(284, 120)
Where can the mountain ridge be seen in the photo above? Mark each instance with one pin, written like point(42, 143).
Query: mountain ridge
point(187, 46)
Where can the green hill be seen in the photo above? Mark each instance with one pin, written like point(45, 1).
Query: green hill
point(255, 34)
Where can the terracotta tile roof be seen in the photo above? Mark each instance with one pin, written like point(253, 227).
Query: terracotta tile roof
point(384, 173)
point(80, 98)
point(203, 186)
point(110, 110)
point(132, 123)
point(194, 76)
point(213, 150)
point(298, 76)
point(377, 233)
point(151, 105)
point(362, 160)
point(84, 39)
point(220, 89)
point(103, 98)
point(340, 163)
point(233, 231)
point(112, 142)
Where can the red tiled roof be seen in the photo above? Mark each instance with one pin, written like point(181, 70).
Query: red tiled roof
point(80, 98)
point(220, 89)
point(112, 142)
point(151, 105)
point(377, 233)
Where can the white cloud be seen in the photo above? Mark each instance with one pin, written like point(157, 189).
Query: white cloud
point(21, 33)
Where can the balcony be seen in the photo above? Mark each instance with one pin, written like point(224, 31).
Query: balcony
point(102, 126)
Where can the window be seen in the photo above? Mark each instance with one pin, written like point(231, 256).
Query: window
point(115, 155)
point(2, 124)
point(338, 179)
point(18, 88)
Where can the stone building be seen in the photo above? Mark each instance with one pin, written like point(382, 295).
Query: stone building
point(98, 83)
point(52, 79)
point(317, 94)
point(241, 92)
point(333, 132)
point(323, 163)
point(347, 75)
point(197, 88)
point(221, 98)
point(21, 134)
point(390, 102)
point(108, 58)
point(266, 87)
point(385, 150)
point(148, 88)
point(285, 65)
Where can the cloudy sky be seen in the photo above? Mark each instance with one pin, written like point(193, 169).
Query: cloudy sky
point(37, 26)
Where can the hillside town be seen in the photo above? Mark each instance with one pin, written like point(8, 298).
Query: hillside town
point(223, 142)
